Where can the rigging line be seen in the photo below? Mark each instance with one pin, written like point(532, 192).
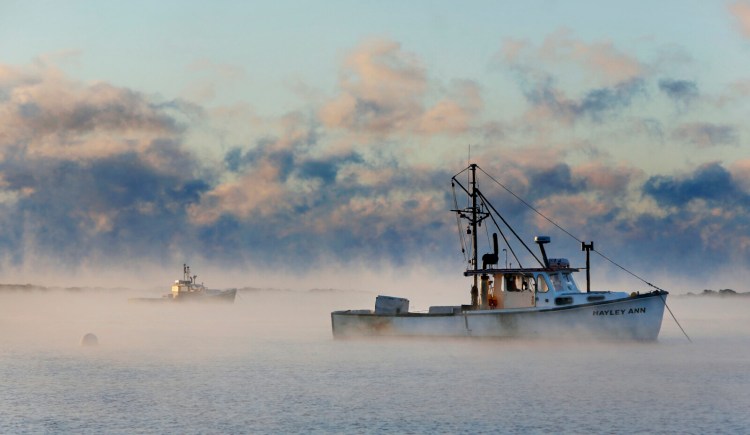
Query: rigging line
point(486, 229)
point(626, 270)
point(506, 241)
point(529, 205)
point(566, 231)
point(454, 179)
point(464, 170)
point(458, 223)
point(596, 251)
point(511, 229)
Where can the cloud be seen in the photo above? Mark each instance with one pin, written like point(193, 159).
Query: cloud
point(115, 207)
point(569, 80)
point(97, 174)
point(595, 105)
point(384, 90)
point(600, 57)
point(290, 198)
point(454, 113)
point(741, 11)
point(44, 114)
point(339, 208)
point(698, 219)
point(599, 62)
point(707, 216)
point(381, 88)
point(736, 92)
point(211, 77)
point(706, 135)
point(610, 180)
point(711, 183)
point(650, 127)
point(93, 172)
point(682, 92)
point(740, 171)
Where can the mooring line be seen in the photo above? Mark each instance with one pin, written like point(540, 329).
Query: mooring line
point(673, 317)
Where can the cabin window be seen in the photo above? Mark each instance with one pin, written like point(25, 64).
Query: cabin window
point(565, 300)
point(568, 282)
point(529, 283)
point(541, 284)
point(595, 298)
point(556, 282)
point(513, 283)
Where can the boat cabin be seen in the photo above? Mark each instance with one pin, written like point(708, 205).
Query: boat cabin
point(181, 287)
point(188, 285)
point(551, 286)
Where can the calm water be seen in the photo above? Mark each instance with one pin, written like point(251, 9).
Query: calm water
point(268, 364)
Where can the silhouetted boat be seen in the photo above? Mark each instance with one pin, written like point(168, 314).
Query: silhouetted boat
point(538, 302)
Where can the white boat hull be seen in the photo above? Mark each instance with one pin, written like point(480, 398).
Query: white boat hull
point(634, 318)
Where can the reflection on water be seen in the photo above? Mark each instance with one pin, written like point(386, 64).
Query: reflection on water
point(268, 364)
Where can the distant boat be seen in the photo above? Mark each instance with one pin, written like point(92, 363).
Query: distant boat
point(523, 302)
point(187, 289)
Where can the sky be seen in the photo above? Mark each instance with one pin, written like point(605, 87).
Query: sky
point(294, 137)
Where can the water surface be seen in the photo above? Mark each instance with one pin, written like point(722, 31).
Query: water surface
point(268, 364)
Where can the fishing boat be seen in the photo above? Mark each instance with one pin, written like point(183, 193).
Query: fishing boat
point(543, 301)
point(188, 289)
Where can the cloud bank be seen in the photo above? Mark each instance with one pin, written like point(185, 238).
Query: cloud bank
point(95, 174)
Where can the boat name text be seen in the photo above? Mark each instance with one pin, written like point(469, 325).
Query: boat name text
point(619, 312)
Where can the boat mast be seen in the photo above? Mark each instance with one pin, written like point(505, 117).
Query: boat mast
point(474, 288)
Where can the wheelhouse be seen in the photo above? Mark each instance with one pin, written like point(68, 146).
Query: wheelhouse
point(534, 287)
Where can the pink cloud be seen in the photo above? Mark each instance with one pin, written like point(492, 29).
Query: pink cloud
point(599, 57)
point(741, 11)
point(740, 171)
point(256, 190)
point(56, 116)
point(606, 179)
point(455, 113)
point(513, 49)
point(381, 87)
point(575, 210)
point(735, 93)
point(600, 61)
point(383, 90)
point(253, 193)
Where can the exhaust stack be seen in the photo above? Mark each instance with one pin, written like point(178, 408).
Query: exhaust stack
point(541, 241)
point(492, 258)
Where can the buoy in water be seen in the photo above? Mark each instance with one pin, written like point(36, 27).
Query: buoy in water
point(89, 340)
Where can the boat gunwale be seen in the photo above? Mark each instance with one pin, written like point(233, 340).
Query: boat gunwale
point(655, 293)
